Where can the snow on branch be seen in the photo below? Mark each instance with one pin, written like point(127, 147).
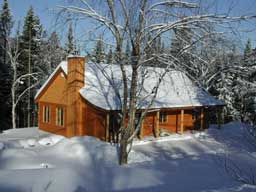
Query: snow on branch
point(174, 4)
point(19, 81)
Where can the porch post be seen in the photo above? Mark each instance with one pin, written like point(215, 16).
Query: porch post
point(142, 129)
point(107, 127)
point(182, 121)
point(202, 119)
point(157, 124)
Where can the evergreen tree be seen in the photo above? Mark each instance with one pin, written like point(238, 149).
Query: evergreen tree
point(30, 41)
point(56, 50)
point(50, 55)
point(6, 24)
point(99, 52)
point(162, 49)
point(225, 84)
point(70, 45)
point(181, 49)
point(157, 45)
point(181, 39)
point(245, 90)
point(152, 49)
point(127, 54)
point(128, 49)
point(248, 57)
point(249, 81)
point(110, 56)
point(30, 48)
point(247, 52)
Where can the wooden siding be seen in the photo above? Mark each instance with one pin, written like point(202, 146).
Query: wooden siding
point(83, 118)
point(149, 124)
point(51, 126)
point(54, 95)
point(56, 90)
point(173, 123)
point(94, 122)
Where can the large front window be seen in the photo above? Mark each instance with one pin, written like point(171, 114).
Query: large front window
point(60, 116)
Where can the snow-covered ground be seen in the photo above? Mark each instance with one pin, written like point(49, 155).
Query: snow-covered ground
point(211, 161)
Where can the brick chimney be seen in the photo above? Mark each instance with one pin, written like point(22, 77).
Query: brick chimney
point(75, 79)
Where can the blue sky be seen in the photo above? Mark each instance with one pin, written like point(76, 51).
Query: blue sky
point(45, 10)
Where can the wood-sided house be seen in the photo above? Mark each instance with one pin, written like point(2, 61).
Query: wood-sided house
point(80, 98)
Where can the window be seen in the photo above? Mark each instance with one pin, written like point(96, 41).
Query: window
point(46, 114)
point(60, 116)
point(195, 114)
point(163, 117)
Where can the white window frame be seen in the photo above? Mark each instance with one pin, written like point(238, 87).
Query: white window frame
point(46, 114)
point(60, 116)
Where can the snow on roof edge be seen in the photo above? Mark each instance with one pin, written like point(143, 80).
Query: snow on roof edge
point(220, 103)
point(62, 66)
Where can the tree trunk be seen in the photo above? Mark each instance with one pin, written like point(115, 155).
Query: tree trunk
point(13, 108)
point(123, 154)
point(13, 117)
point(13, 95)
point(128, 130)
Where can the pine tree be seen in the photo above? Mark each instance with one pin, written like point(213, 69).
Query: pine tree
point(50, 55)
point(99, 52)
point(6, 24)
point(162, 50)
point(225, 84)
point(245, 92)
point(249, 81)
point(110, 56)
point(127, 53)
point(247, 52)
point(128, 49)
point(56, 49)
point(157, 46)
point(70, 45)
point(180, 49)
point(181, 39)
point(153, 49)
point(30, 41)
point(30, 46)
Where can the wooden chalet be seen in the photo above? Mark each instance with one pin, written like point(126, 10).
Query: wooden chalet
point(80, 98)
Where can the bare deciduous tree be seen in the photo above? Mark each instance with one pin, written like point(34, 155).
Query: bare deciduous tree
point(13, 54)
point(134, 21)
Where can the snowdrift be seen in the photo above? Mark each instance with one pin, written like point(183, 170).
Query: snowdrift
point(54, 151)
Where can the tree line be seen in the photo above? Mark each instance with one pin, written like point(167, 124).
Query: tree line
point(28, 55)
point(216, 64)
point(224, 69)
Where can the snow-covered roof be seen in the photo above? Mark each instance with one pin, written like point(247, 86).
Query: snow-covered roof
point(104, 88)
